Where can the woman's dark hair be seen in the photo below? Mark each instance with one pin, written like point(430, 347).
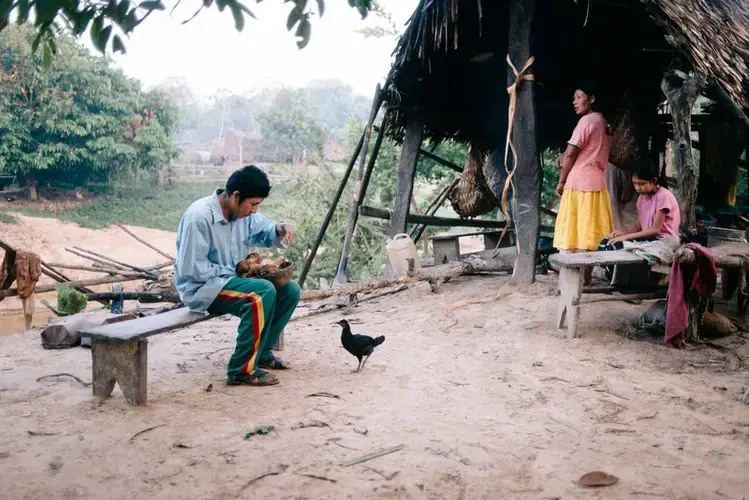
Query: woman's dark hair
point(250, 181)
point(646, 170)
point(589, 87)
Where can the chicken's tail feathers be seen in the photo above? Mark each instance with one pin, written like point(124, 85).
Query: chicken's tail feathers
point(379, 340)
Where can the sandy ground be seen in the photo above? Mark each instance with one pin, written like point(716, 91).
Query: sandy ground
point(50, 237)
point(490, 402)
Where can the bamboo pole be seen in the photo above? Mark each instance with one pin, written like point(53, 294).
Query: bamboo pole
point(164, 254)
point(331, 212)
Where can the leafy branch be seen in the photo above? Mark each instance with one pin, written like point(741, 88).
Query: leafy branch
point(107, 21)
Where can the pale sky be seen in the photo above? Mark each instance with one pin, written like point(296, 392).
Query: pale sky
point(211, 54)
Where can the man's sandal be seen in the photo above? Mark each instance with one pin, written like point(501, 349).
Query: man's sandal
point(259, 378)
point(274, 364)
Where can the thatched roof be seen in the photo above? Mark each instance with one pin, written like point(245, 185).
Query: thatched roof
point(450, 69)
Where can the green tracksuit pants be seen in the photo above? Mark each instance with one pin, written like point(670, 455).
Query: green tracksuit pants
point(264, 312)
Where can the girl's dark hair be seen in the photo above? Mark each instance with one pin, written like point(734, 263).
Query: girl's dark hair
point(250, 181)
point(646, 170)
point(589, 87)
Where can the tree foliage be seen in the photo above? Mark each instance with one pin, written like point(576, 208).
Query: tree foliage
point(108, 21)
point(291, 126)
point(80, 118)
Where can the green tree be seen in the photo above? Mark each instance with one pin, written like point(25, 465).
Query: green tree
point(106, 20)
point(78, 120)
point(291, 127)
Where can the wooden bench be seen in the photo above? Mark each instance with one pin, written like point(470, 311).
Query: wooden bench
point(571, 282)
point(119, 351)
point(447, 247)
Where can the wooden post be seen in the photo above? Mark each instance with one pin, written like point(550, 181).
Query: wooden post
point(341, 274)
point(406, 173)
point(528, 174)
point(681, 91)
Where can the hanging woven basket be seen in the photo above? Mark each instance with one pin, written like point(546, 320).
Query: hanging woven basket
point(472, 196)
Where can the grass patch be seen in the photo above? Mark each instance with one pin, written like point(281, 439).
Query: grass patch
point(8, 218)
point(142, 205)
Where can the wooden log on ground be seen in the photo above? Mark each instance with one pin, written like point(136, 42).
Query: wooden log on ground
point(525, 160)
point(164, 254)
point(406, 173)
point(681, 92)
point(434, 275)
point(75, 284)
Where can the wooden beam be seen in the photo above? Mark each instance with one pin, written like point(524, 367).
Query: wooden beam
point(406, 173)
point(681, 94)
point(379, 213)
point(527, 171)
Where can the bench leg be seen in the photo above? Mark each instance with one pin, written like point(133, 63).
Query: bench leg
point(279, 344)
point(124, 363)
point(570, 288)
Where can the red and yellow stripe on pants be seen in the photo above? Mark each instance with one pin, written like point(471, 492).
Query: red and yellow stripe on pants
point(249, 339)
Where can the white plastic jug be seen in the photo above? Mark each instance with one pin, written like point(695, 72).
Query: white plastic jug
point(400, 249)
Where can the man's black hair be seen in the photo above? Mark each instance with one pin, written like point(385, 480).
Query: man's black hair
point(250, 181)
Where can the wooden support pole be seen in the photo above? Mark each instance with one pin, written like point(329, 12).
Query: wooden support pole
point(406, 173)
point(527, 171)
point(681, 91)
point(331, 212)
point(341, 276)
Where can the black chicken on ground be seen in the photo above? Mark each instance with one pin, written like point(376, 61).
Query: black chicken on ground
point(360, 346)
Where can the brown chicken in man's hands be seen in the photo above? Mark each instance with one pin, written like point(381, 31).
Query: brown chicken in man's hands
point(259, 265)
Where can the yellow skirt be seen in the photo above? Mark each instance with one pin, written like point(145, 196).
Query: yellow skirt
point(583, 220)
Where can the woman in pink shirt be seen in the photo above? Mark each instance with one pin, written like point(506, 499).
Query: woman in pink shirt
point(584, 216)
point(658, 211)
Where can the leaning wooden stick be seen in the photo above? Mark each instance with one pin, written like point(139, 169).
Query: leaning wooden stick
point(75, 284)
point(122, 264)
point(164, 254)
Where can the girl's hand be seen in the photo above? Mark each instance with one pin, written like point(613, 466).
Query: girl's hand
point(614, 234)
point(617, 239)
point(560, 188)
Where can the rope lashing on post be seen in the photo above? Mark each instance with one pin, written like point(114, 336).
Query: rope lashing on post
point(520, 76)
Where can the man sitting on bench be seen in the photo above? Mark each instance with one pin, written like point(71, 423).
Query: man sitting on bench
point(214, 235)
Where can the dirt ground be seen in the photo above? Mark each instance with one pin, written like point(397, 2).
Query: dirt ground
point(50, 237)
point(490, 401)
